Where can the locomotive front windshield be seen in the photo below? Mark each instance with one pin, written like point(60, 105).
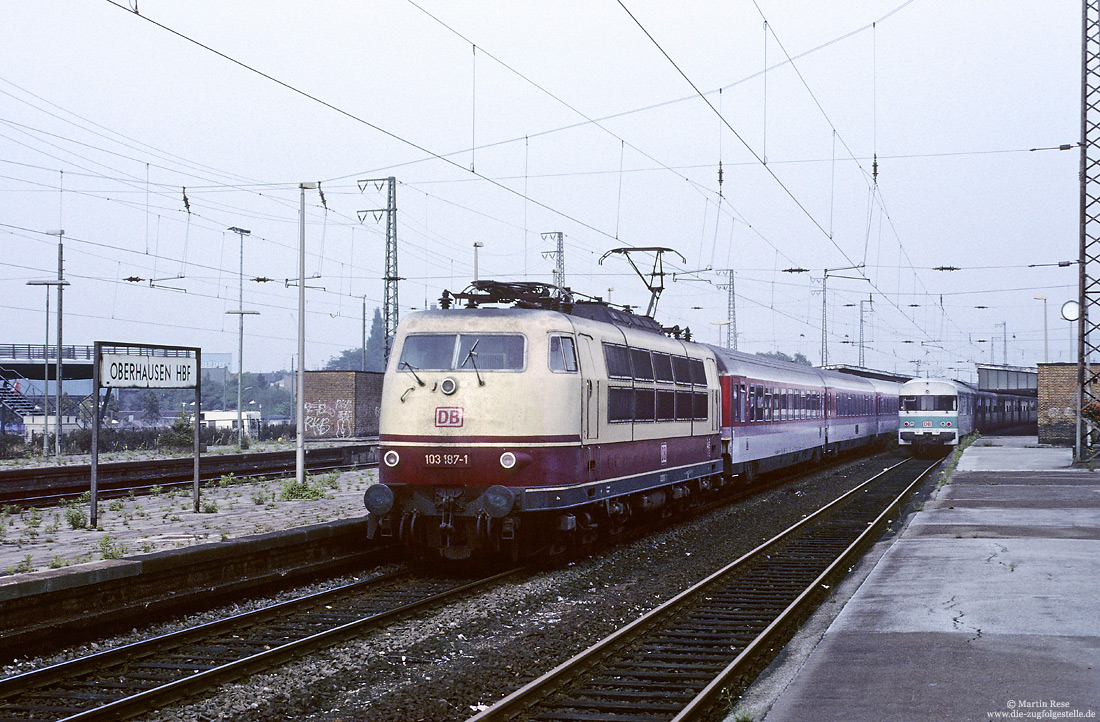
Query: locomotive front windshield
point(449, 352)
point(929, 403)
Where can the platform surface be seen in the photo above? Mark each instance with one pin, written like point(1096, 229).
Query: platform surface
point(987, 606)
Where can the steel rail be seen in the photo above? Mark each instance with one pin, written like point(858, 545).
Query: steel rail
point(552, 681)
point(50, 484)
point(68, 674)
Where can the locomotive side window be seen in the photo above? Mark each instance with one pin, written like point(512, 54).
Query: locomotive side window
point(666, 405)
point(620, 403)
point(428, 352)
point(563, 355)
point(681, 369)
point(490, 352)
point(698, 372)
point(618, 361)
point(644, 405)
point(641, 365)
point(662, 367)
point(685, 406)
point(699, 405)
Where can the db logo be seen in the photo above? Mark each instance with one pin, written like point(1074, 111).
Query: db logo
point(448, 416)
point(927, 425)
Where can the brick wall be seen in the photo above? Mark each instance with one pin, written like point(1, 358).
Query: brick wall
point(1057, 403)
point(342, 404)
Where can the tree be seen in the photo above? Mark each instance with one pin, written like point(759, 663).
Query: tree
point(798, 358)
point(352, 359)
point(150, 407)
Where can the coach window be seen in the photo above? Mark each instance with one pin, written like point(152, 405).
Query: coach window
point(563, 355)
point(768, 394)
point(735, 403)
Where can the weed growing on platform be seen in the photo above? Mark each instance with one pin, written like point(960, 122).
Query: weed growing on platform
point(22, 567)
point(75, 516)
point(109, 549)
point(209, 506)
point(291, 489)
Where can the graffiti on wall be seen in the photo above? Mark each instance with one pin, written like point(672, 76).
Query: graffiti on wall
point(330, 418)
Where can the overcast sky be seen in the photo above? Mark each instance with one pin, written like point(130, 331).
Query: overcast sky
point(505, 120)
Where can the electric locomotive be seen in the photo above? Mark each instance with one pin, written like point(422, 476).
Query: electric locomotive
point(523, 429)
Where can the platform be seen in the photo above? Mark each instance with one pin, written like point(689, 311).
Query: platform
point(986, 606)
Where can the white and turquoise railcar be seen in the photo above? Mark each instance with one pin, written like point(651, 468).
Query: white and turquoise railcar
point(934, 413)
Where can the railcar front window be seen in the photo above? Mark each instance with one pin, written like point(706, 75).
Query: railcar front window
point(946, 403)
point(929, 403)
point(428, 352)
point(493, 352)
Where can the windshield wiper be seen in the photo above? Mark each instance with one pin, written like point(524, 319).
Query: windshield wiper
point(412, 368)
point(472, 358)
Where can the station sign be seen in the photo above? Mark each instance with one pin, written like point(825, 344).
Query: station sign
point(148, 372)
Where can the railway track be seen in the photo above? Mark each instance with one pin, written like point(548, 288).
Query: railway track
point(46, 485)
point(140, 677)
point(682, 659)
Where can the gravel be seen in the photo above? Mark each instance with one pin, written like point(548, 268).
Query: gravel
point(448, 664)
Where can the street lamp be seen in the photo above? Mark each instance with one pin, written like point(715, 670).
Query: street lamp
point(477, 245)
point(719, 324)
point(46, 365)
point(60, 377)
point(300, 379)
point(1046, 354)
point(240, 313)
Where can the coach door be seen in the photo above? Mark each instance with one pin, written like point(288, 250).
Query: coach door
point(590, 394)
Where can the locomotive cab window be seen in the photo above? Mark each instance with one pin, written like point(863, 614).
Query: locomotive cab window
point(487, 352)
point(563, 355)
point(449, 352)
point(428, 352)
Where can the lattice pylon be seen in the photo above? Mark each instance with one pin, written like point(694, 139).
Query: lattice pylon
point(1088, 343)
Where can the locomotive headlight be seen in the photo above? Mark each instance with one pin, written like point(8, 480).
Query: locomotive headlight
point(507, 459)
point(378, 499)
point(498, 500)
point(448, 386)
point(391, 458)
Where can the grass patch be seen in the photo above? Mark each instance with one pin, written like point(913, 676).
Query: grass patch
point(953, 460)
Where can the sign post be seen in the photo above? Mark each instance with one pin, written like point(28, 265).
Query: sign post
point(143, 366)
